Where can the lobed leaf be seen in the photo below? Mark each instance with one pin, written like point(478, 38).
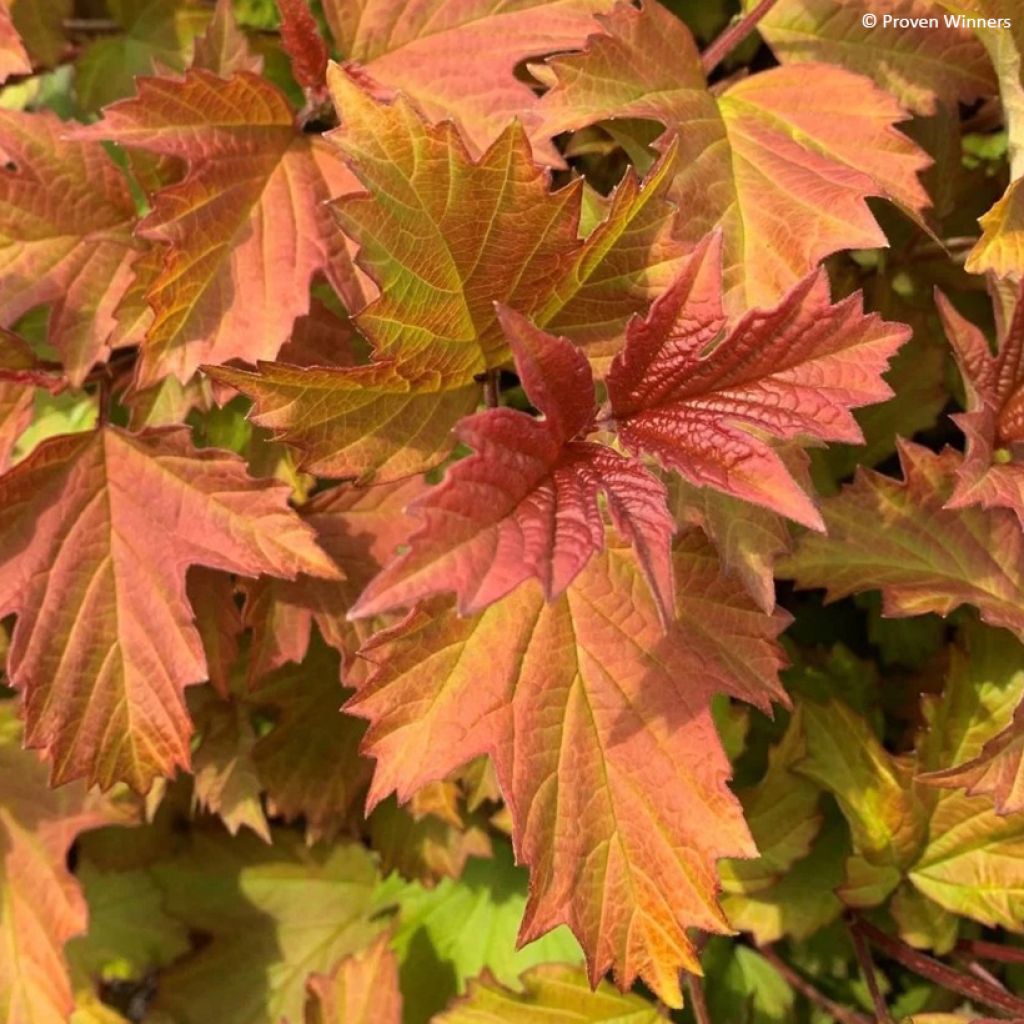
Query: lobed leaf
point(576, 704)
point(783, 171)
point(96, 533)
point(704, 396)
point(245, 232)
point(70, 247)
point(926, 557)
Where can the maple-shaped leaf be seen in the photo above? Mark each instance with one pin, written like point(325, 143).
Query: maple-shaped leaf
point(308, 761)
point(445, 237)
point(427, 839)
point(1001, 246)
point(585, 721)
point(992, 667)
point(96, 533)
point(362, 989)
point(361, 528)
point(783, 814)
point(224, 775)
point(42, 904)
point(459, 62)
point(13, 58)
point(997, 771)
point(954, 850)
point(272, 916)
point(156, 35)
point(921, 64)
point(223, 48)
point(526, 504)
point(555, 993)
point(783, 171)
point(705, 396)
point(992, 474)
point(303, 43)
point(69, 246)
point(246, 230)
point(929, 558)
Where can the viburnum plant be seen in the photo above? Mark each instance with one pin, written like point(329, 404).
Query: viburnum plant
point(497, 495)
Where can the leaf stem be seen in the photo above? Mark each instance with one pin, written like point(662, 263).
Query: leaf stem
point(92, 26)
point(698, 1000)
point(940, 973)
point(491, 381)
point(991, 951)
point(732, 36)
point(867, 968)
point(843, 1014)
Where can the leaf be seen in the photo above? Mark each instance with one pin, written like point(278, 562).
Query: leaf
point(783, 171)
point(303, 43)
point(362, 989)
point(929, 558)
point(804, 900)
point(1005, 48)
point(13, 58)
point(157, 34)
point(461, 928)
point(70, 247)
point(991, 474)
point(460, 63)
point(920, 64)
point(273, 914)
point(703, 397)
point(212, 597)
point(360, 528)
point(433, 328)
point(990, 675)
point(552, 992)
point(526, 504)
point(41, 905)
point(40, 23)
point(225, 779)
point(424, 846)
point(954, 849)
point(749, 538)
point(614, 752)
point(1001, 246)
point(309, 761)
point(129, 934)
point(96, 532)
point(783, 815)
point(16, 407)
point(247, 229)
point(223, 48)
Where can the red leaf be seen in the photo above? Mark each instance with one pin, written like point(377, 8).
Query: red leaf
point(703, 396)
point(526, 504)
point(992, 474)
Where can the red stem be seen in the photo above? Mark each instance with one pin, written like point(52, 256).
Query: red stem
point(867, 968)
point(991, 951)
point(732, 36)
point(698, 1001)
point(938, 972)
point(843, 1014)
